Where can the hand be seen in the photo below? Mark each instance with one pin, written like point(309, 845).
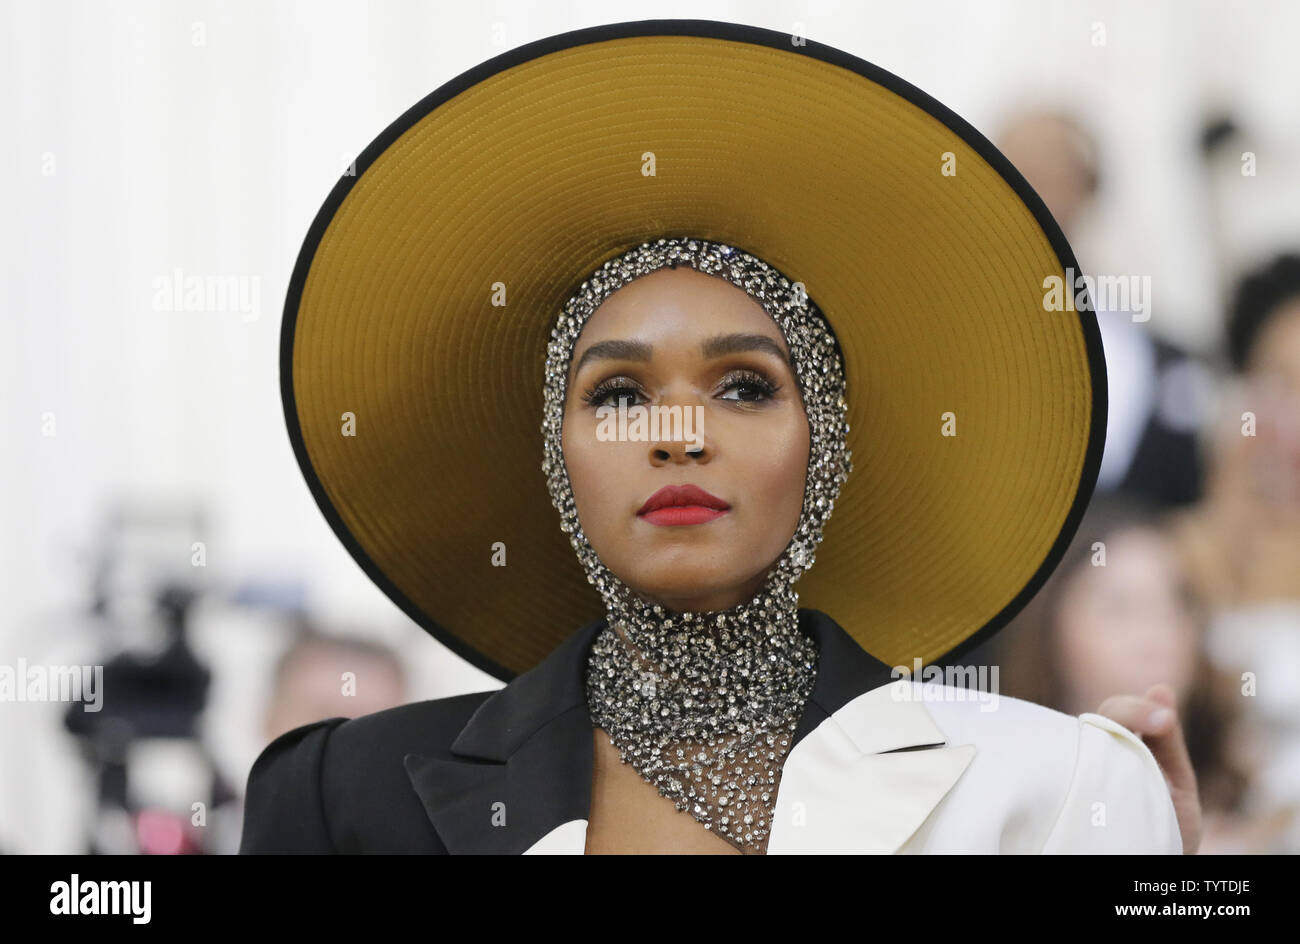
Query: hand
point(1154, 718)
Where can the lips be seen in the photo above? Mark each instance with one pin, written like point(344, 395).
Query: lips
point(682, 504)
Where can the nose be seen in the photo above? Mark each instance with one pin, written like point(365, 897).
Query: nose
point(679, 453)
point(681, 437)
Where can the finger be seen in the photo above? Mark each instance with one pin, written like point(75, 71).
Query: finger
point(1165, 740)
point(1164, 708)
point(1163, 693)
point(1140, 715)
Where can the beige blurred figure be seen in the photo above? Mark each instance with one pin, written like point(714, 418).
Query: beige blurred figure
point(1058, 158)
point(321, 676)
point(1243, 539)
point(1151, 450)
point(1158, 395)
point(1235, 541)
point(1122, 613)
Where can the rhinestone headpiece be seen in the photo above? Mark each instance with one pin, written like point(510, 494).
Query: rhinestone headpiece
point(704, 705)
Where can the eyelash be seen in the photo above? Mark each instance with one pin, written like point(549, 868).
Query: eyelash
point(735, 378)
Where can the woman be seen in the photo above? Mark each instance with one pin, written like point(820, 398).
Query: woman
point(1122, 612)
point(699, 418)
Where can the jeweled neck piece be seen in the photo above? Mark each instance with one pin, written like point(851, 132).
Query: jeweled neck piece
point(704, 705)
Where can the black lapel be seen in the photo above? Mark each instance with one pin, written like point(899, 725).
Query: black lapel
point(522, 764)
point(844, 671)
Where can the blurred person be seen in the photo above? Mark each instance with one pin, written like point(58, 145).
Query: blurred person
point(319, 676)
point(1157, 393)
point(323, 676)
point(1122, 613)
point(1243, 539)
point(1245, 536)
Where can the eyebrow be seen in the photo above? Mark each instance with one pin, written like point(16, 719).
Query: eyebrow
point(716, 346)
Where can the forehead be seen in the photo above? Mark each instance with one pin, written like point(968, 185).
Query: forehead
point(1279, 338)
point(677, 306)
point(1142, 551)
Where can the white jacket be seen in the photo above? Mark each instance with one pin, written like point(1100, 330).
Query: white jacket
point(1019, 778)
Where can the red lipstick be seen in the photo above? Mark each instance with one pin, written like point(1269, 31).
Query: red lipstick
point(682, 504)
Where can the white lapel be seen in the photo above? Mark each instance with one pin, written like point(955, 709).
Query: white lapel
point(566, 839)
point(862, 781)
point(866, 778)
point(867, 768)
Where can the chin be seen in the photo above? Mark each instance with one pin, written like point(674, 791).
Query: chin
point(688, 581)
point(677, 583)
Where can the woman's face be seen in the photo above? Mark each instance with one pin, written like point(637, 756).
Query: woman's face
point(680, 338)
point(1125, 626)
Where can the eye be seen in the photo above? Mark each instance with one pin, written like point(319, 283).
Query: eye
point(620, 389)
point(751, 386)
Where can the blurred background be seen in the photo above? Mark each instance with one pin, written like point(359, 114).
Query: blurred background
point(156, 524)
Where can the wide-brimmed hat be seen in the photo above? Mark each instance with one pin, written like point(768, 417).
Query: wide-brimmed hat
point(420, 307)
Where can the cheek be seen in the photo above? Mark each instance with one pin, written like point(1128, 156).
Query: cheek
point(776, 465)
point(577, 462)
point(587, 460)
point(1081, 643)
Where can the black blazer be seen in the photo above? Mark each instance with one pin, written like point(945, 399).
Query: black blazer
point(1167, 469)
point(431, 777)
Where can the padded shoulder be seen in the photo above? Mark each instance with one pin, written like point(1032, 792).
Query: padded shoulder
point(339, 785)
point(1118, 800)
point(282, 805)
